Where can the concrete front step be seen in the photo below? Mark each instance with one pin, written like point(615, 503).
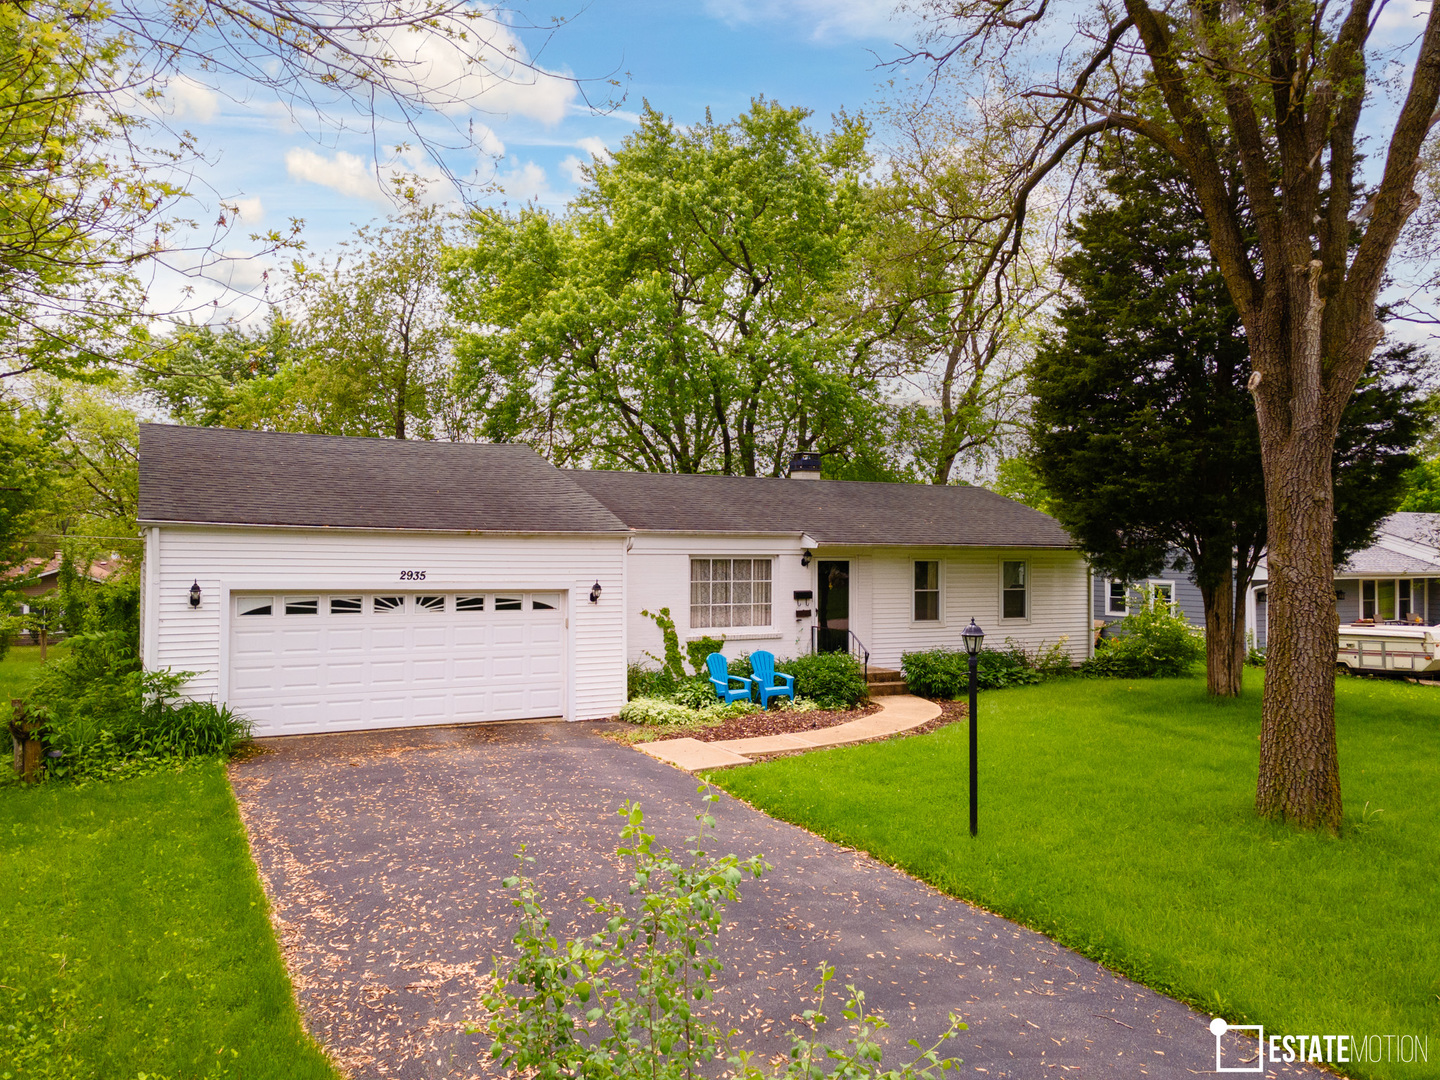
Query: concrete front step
point(887, 689)
point(885, 683)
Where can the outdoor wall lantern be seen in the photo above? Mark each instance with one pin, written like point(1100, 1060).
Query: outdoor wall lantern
point(195, 594)
point(595, 593)
point(973, 636)
point(805, 559)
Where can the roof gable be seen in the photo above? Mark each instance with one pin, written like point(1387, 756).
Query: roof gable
point(227, 476)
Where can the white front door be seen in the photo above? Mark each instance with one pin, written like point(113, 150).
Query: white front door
point(309, 662)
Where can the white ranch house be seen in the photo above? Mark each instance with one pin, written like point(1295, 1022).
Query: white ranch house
point(318, 583)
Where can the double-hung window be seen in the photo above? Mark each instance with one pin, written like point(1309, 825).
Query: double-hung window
point(1115, 601)
point(1014, 590)
point(927, 590)
point(729, 592)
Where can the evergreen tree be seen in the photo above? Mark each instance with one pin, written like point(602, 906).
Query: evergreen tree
point(1144, 429)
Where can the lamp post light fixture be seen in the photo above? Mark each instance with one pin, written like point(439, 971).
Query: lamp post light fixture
point(973, 636)
point(195, 594)
point(595, 593)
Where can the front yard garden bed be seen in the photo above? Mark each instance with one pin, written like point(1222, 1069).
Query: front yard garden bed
point(1117, 816)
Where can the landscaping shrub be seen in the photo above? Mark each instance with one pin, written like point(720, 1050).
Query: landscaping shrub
point(694, 693)
point(104, 713)
point(1153, 642)
point(945, 673)
point(831, 680)
point(629, 1002)
point(659, 712)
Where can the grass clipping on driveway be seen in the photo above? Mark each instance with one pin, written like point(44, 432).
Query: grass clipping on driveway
point(1117, 817)
point(135, 937)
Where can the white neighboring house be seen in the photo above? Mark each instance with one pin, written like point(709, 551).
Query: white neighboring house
point(1394, 580)
point(318, 583)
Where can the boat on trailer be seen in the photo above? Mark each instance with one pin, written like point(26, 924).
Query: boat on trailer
point(1398, 647)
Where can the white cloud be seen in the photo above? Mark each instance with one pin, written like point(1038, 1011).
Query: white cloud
point(358, 178)
point(573, 167)
point(1404, 14)
point(348, 174)
point(525, 182)
point(252, 211)
point(491, 71)
point(827, 19)
point(593, 146)
point(186, 99)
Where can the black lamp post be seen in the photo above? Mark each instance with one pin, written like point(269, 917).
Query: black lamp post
point(972, 635)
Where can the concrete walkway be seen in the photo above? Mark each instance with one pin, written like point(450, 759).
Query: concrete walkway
point(899, 712)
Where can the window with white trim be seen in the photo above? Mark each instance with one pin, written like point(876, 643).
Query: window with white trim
point(1392, 599)
point(927, 591)
point(729, 592)
point(1162, 594)
point(1116, 598)
point(1014, 590)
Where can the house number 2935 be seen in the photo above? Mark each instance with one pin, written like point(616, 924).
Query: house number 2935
point(412, 575)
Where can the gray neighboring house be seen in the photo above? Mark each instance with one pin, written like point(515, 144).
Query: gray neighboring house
point(1112, 598)
point(1394, 580)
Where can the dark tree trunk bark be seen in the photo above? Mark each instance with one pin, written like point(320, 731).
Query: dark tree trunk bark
point(1224, 667)
point(1299, 777)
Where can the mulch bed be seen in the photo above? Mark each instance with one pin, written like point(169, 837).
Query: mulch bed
point(775, 722)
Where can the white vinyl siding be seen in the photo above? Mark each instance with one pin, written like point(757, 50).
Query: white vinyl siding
point(286, 563)
point(882, 601)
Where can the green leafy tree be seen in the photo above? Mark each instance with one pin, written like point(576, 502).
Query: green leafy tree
point(201, 373)
point(1283, 89)
point(27, 478)
point(1144, 430)
point(960, 339)
point(684, 314)
point(81, 201)
point(368, 349)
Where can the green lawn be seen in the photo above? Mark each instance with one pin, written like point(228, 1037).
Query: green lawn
point(135, 937)
point(1117, 817)
point(19, 664)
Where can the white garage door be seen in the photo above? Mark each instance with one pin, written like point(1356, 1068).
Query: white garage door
point(348, 661)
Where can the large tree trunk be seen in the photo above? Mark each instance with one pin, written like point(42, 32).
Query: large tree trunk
point(1299, 768)
point(1224, 666)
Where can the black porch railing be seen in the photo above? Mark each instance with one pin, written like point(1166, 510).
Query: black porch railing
point(828, 639)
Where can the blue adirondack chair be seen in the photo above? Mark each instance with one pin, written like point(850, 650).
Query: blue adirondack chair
point(763, 665)
point(720, 678)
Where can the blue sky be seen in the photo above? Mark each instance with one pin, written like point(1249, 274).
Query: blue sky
point(681, 57)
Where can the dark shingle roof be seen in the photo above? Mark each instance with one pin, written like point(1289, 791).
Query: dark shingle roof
point(831, 511)
point(267, 478)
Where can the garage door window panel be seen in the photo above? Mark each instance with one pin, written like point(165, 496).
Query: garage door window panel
point(509, 603)
point(470, 603)
point(385, 605)
point(430, 603)
point(302, 605)
point(255, 605)
point(346, 605)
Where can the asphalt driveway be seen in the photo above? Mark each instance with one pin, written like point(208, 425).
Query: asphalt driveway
point(382, 855)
